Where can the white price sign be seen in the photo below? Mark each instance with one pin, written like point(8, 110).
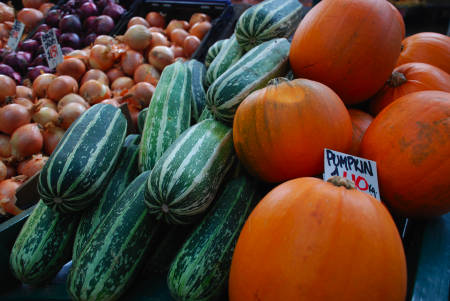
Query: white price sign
point(15, 35)
point(52, 49)
point(361, 171)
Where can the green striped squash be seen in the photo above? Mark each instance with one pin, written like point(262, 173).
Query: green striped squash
point(80, 166)
point(251, 72)
point(213, 51)
point(206, 114)
point(230, 53)
point(141, 119)
point(124, 173)
point(197, 71)
point(114, 254)
point(266, 21)
point(43, 246)
point(169, 114)
point(200, 270)
point(186, 178)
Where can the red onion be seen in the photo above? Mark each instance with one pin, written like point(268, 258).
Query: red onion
point(66, 50)
point(70, 23)
point(53, 17)
point(113, 10)
point(34, 72)
point(27, 140)
point(103, 25)
point(30, 46)
point(40, 60)
point(26, 55)
point(88, 9)
point(89, 24)
point(17, 78)
point(70, 39)
point(43, 27)
point(17, 62)
point(89, 39)
point(6, 70)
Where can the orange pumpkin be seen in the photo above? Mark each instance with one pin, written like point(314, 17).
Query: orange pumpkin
point(426, 47)
point(280, 131)
point(410, 141)
point(349, 45)
point(408, 78)
point(360, 122)
point(312, 240)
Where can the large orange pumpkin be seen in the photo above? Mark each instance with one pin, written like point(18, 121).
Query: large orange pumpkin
point(426, 47)
point(408, 78)
point(280, 131)
point(360, 122)
point(312, 240)
point(349, 45)
point(410, 141)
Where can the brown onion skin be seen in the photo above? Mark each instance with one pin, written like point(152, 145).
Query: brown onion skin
point(178, 51)
point(8, 190)
point(138, 37)
point(32, 166)
point(24, 92)
point(44, 102)
point(155, 19)
point(3, 171)
point(114, 74)
point(136, 21)
point(61, 86)
point(159, 39)
point(190, 45)
point(25, 102)
point(147, 73)
point(200, 29)
point(5, 146)
point(7, 88)
point(72, 67)
point(122, 83)
point(176, 24)
point(11, 171)
point(69, 98)
point(69, 113)
point(198, 17)
point(12, 117)
point(142, 93)
point(160, 57)
point(178, 35)
point(96, 74)
point(27, 140)
point(94, 91)
point(41, 84)
point(30, 17)
point(52, 135)
point(45, 115)
point(104, 40)
point(130, 61)
point(101, 57)
point(111, 101)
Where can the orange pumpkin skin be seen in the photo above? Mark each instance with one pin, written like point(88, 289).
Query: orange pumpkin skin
point(280, 131)
point(310, 240)
point(409, 78)
point(360, 122)
point(349, 45)
point(410, 141)
point(426, 47)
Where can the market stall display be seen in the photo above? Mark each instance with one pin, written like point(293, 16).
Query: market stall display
point(233, 126)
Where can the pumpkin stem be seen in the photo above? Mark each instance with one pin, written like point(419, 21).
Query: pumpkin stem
point(277, 80)
point(341, 181)
point(396, 79)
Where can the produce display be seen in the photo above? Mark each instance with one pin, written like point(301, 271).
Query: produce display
point(166, 152)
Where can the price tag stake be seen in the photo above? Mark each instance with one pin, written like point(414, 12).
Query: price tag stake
point(52, 49)
point(15, 35)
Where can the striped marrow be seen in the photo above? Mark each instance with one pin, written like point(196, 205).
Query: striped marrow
point(76, 172)
point(213, 51)
point(230, 53)
point(114, 254)
point(124, 173)
point(43, 246)
point(197, 71)
point(200, 270)
point(251, 72)
point(186, 178)
point(266, 21)
point(169, 114)
point(206, 114)
point(141, 119)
